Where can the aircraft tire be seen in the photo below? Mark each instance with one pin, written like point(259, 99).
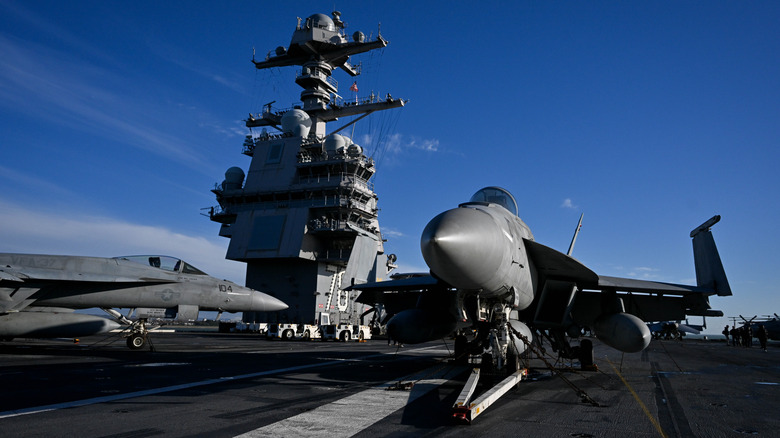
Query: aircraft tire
point(512, 361)
point(487, 363)
point(586, 353)
point(487, 369)
point(461, 355)
point(136, 341)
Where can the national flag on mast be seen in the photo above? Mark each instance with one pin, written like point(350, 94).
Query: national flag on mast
point(353, 87)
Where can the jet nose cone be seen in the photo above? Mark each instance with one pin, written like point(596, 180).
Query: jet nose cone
point(265, 303)
point(463, 247)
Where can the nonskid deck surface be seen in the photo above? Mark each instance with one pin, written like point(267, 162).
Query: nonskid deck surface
point(213, 384)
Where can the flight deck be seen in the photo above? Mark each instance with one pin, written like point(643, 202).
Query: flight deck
point(227, 385)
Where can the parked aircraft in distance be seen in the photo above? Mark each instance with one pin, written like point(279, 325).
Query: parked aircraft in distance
point(490, 277)
point(38, 294)
point(673, 329)
point(772, 324)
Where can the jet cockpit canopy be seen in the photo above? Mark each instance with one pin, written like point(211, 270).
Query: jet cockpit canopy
point(496, 195)
point(166, 263)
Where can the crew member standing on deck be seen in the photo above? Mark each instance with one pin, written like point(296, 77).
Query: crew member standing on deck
point(762, 336)
point(747, 335)
point(735, 335)
point(726, 333)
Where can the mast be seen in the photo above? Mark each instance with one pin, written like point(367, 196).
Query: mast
point(305, 221)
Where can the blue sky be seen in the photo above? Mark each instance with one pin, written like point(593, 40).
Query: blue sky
point(118, 118)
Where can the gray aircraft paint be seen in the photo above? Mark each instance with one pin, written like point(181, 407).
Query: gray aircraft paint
point(486, 265)
point(39, 292)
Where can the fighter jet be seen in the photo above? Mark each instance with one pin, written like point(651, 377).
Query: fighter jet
point(673, 329)
point(38, 294)
point(490, 277)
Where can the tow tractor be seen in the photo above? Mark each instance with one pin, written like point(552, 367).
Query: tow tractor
point(288, 332)
point(346, 332)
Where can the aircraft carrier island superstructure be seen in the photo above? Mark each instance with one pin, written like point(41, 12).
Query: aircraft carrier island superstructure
point(305, 220)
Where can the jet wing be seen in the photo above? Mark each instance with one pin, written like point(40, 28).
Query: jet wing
point(396, 295)
point(415, 283)
point(11, 276)
point(18, 287)
point(383, 291)
point(13, 293)
point(634, 285)
point(29, 274)
point(648, 300)
point(557, 265)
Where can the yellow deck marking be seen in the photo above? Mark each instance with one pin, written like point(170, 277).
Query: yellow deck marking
point(638, 400)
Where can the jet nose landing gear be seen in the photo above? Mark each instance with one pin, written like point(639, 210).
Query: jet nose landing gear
point(139, 336)
point(136, 341)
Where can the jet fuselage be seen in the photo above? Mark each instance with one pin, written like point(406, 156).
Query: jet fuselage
point(479, 247)
point(131, 282)
point(39, 292)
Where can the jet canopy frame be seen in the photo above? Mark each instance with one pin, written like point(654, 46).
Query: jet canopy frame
point(496, 195)
point(166, 263)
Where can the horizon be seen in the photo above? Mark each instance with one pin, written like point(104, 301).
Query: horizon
point(118, 119)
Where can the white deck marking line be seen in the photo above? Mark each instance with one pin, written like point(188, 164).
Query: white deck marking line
point(350, 415)
point(154, 391)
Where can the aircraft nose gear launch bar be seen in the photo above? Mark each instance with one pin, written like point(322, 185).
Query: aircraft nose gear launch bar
point(466, 412)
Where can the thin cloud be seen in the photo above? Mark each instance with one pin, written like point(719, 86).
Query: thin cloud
point(389, 232)
point(43, 26)
point(398, 145)
point(23, 178)
point(394, 144)
point(430, 145)
point(644, 273)
point(78, 94)
point(567, 203)
point(202, 67)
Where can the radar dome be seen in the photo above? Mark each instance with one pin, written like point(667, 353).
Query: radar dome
point(296, 122)
point(322, 21)
point(335, 144)
point(354, 150)
point(234, 179)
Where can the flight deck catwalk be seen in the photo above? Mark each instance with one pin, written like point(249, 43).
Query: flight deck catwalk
point(304, 217)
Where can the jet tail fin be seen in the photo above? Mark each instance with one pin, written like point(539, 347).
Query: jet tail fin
point(709, 268)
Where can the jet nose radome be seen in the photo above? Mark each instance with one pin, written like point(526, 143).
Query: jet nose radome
point(464, 247)
point(265, 303)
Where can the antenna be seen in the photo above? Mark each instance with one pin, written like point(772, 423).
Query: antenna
point(574, 239)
